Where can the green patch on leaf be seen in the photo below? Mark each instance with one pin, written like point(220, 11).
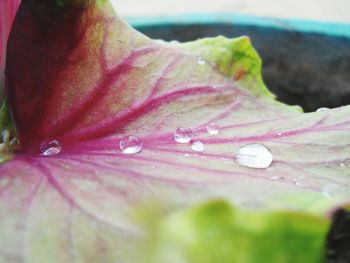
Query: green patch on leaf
point(235, 58)
point(216, 232)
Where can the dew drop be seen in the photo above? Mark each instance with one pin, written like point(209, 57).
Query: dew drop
point(197, 146)
point(323, 109)
point(50, 147)
point(15, 144)
point(183, 135)
point(279, 134)
point(213, 129)
point(256, 156)
point(342, 165)
point(130, 144)
point(201, 61)
point(275, 177)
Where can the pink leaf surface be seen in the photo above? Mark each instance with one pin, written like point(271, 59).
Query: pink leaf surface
point(87, 79)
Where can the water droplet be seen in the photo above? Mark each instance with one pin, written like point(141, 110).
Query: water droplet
point(279, 134)
point(342, 165)
point(130, 144)
point(183, 135)
point(213, 129)
point(298, 182)
point(329, 190)
point(197, 146)
point(255, 156)
point(15, 144)
point(50, 147)
point(201, 61)
point(323, 109)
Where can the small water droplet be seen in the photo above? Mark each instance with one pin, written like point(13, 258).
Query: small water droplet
point(329, 190)
point(323, 109)
point(197, 146)
point(201, 61)
point(256, 156)
point(50, 147)
point(279, 134)
point(213, 129)
point(183, 135)
point(187, 155)
point(130, 144)
point(298, 182)
point(342, 165)
point(15, 144)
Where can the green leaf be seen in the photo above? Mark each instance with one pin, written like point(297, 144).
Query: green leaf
point(216, 232)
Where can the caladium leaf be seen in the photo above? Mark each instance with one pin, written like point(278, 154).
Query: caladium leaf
point(87, 80)
point(8, 10)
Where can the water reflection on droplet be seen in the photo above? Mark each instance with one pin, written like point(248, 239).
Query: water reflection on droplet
point(197, 146)
point(329, 190)
point(213, 129)
point(323, 109)
point(50, 147)
point(130, 144)
point(201, 61)
point(183, 135)
point(256, 156)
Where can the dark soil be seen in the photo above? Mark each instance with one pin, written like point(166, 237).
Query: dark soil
point(338, 241)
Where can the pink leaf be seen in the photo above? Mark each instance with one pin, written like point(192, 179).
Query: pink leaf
point(87, 80)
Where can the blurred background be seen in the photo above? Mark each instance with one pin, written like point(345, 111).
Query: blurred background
point(304, 44)
point(325, 10)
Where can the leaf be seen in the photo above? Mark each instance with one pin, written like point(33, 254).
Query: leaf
point(215, 231)
point(8, 10)
point(87, 79)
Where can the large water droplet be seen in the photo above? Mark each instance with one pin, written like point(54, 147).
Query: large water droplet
point(201, 61)
point(183, 135)
point(213, 129)
point(256, 156)
point(197, 146)
point(130, 144)
point(50, 147)
point(323, 109)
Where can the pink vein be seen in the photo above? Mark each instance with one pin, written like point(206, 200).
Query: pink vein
point(120, 120)
point(101, 88)
point(66, 196)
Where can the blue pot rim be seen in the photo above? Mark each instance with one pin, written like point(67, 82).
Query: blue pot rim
point(298, 25)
